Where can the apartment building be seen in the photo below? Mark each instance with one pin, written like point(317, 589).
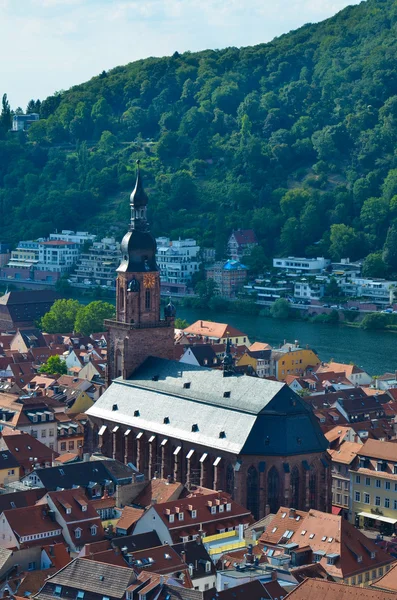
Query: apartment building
point(178, 260)
point(293, 264)
point(97, 266)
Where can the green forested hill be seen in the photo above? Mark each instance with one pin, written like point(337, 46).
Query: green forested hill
point(295, 138)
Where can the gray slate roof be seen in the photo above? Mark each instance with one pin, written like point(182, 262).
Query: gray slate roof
point(260, 416)
point(91, 576)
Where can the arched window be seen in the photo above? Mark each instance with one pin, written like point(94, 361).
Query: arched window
point(230, 480)
point(253, 491)
point(273, 490)
point(313, 488)
point(295, 480)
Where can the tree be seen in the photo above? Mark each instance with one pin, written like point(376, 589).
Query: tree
point(61, 317)
point(374, 266)
point(255, 260)
point(181, 323)
point(389, 255)
point(90, 318)
point(206, 289)
point(333, 290)
point(375, 321)
point(54, 366)
point(280, 309)
point(5, 116)
point(345, 242)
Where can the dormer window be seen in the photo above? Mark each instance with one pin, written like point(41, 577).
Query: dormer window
point(194, 514)
point(77, 533)
point(84, 507)
point(195, 427)
point(80, 595)
point(58, 590)
point(213, 510)
point(94, 529)
point(228, 507)
point(68, 510)
point(180, 516)
point(171, 518)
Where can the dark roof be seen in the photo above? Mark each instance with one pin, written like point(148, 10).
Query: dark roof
point(89, 576)
point(196, 555)
point(77, 474)
point(141, 541)
point(7, 460)
point(28, 297)
point(203, 352)
point(20, 499)
point(245, 236)
point(255, 416)
point(33, 338)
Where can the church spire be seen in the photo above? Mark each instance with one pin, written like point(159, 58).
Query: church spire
point(138, 204)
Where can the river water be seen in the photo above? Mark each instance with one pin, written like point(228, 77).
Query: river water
point(374, 351)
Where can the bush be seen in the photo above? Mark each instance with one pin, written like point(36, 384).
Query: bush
point(280, 309)
point(375, 321)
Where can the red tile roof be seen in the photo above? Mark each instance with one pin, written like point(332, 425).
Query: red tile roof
point(314, 589)
point(31, 521)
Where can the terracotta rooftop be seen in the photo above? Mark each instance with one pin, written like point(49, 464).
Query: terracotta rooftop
point(213, 329)
point(314, 589)
point(259, 346)
point(346, 453)
point(388, 581)
point(129, 517)
point(379, 450)
point(159, 491)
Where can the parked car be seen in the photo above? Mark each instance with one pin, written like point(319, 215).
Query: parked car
point(354, 308)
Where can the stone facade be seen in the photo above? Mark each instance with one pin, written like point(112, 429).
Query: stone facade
point(261, 483)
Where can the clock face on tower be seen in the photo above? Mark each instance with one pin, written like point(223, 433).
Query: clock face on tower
point(149, 280)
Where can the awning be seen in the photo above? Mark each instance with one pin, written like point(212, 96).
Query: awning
point(336, 510)
point(377, 517)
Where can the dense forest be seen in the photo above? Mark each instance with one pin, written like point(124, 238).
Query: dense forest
point(295, 138)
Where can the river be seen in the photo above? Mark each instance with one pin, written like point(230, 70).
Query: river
point(374, 351)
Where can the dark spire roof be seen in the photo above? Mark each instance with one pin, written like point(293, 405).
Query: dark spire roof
point(138, 196)
point(170, 310)
point(228, 360)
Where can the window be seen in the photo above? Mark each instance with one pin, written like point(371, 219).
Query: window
point(387, 485)
point(358, 479)
point(43, 433)
point(80, 595)
point(374, 574)
point(359, 579)
point(367, 481)
point(147, 300)
point(194, 514)
point(387, 502)
point(353, 581)
point(213, 510)
point(180, 516)
point(32, 566)
point(367, 499)
point(58, 590)
point(357, 497)
point(378, 483)
point(11, 472)
point(228, 507)
point(171, 518)
point(395, 505)
point(33, 433)
point(77, 533)
point(63, 445)
point(380, 571)
point(377, 500)
point(51, 432)
point(94, 529)
point(317, 557)
point(71, 445)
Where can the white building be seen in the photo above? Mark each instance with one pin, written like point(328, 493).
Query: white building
point(293, 264)
point(377, 291)
point(58, 256)
point(308, 290)
point(23, 122)
point(78, 237)
point(177, 260)
point(98, 265)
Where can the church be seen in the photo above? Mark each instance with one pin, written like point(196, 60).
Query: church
point(253, 438)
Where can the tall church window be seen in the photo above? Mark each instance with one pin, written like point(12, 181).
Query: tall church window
point(295, 480)
point(253, 491)
point(230, 480)
point(273, 490)
point(147, 300)
point(312, 488)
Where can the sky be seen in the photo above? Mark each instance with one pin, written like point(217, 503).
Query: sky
point(50, 45)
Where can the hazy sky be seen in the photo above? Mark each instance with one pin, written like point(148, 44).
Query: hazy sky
point(48, 45)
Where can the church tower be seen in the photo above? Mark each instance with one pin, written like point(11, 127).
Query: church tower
point(138, 331)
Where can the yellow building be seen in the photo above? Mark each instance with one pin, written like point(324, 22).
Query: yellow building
point(373, 486)
point(9, 468)
point(258, 360)
point(291, 359)
point(79, 402)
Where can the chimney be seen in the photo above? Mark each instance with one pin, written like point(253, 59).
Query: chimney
point(292, 513)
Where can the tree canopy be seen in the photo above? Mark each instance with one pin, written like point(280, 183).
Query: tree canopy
point(295, 138)
point(54, 366)
point(67, 316)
